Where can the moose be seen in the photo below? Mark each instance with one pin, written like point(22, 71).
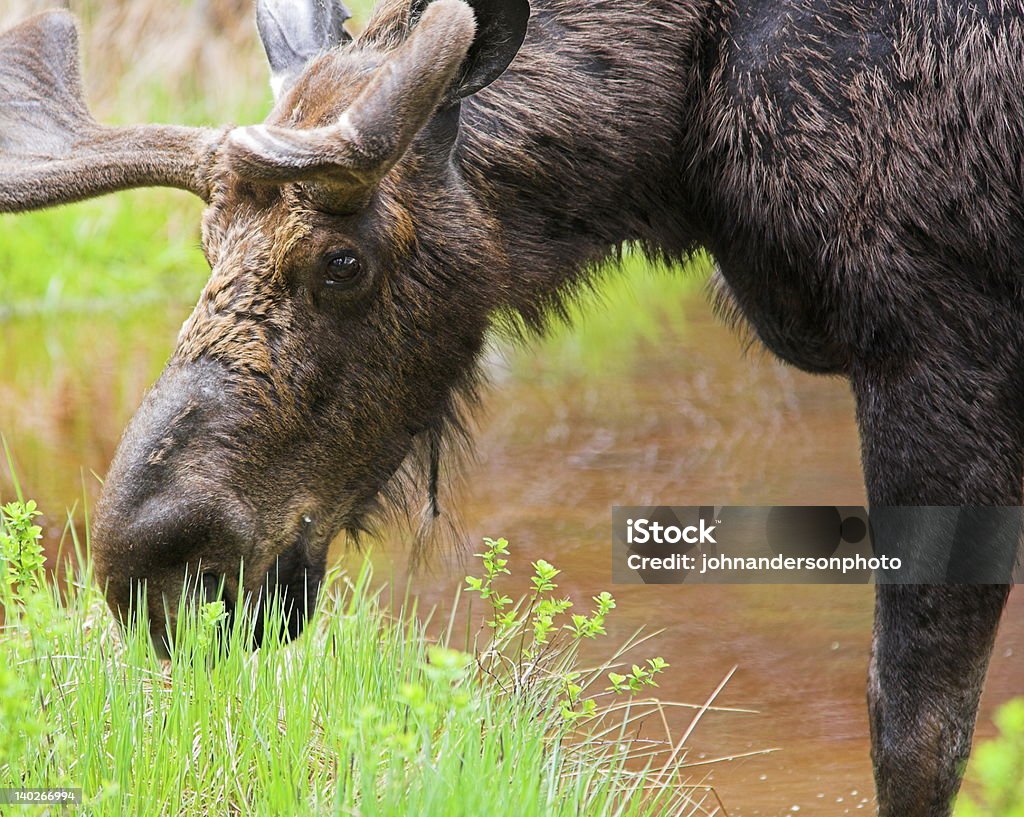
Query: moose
point(855, 170)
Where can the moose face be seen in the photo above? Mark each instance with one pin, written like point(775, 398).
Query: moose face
point(346, 304)
point(323, 346)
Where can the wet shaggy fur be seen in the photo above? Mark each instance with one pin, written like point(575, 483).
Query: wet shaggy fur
point(855, 169)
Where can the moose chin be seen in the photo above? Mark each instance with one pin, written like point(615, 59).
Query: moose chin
point(853, 168)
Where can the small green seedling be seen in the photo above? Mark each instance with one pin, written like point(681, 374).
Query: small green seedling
point(21, 551)
point(530, 639)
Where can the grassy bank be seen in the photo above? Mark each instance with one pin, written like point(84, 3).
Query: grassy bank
point(363, 715)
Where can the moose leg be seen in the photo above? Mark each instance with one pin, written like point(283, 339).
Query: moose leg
point(930, 652)
point(930, 439)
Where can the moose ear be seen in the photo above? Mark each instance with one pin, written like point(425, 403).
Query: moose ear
point(295, 31)
point(500, 31)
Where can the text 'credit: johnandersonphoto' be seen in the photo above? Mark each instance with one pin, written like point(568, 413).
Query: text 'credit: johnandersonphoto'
point(816, 545)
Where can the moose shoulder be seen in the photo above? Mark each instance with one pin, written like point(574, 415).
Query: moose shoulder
point(854, 168)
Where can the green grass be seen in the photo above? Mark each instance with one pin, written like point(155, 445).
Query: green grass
point(133, 245)
point(996, 772)
point(364, 715)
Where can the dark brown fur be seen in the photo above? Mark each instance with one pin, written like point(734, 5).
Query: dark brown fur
point(854, 168)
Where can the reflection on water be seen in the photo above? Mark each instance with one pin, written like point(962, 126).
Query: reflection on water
point(677, 415)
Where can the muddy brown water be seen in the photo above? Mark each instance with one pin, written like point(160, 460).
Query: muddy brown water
point(680, 415)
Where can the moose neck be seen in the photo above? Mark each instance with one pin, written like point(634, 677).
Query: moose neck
point(576, 149)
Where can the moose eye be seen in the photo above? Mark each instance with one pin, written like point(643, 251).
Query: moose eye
point(343, 270)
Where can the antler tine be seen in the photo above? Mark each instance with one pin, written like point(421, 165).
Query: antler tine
point(52, 151)
point(355, 152)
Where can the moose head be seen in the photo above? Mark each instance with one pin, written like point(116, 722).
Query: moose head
point(348, 298)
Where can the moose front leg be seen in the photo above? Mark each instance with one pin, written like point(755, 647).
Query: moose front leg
point(929, 657)
point(929, 438)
